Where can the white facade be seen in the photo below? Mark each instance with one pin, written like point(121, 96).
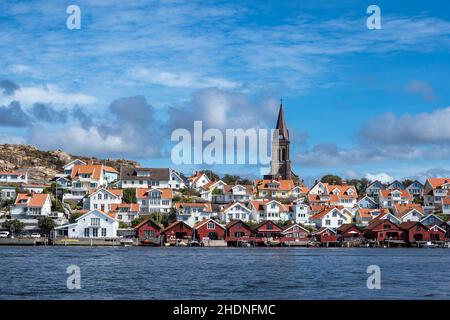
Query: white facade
point(93, 224)
point(412, 215)
point(388, 198)
point(176, 182)
point(373, 189)
point(235, 193)
point(198, 180)
point(31, 206)
point(193, 213)
point(7, 193)
point(154, 200)
point(300, 213)
point(270, 210)
point(415, 189)
point(333, 218)
point(13, 177)
point(236, 211)
point(68, 167)
point(103, 199)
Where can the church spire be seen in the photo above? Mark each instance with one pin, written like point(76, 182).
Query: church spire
point(281, 123)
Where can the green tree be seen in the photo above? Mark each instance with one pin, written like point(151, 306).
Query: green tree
point(407, 182)
point(123, 225)
point(138, 220)
point(331, 179)
point(129, 195)
point(75, 215)
point(217, 191)
point(172, 217)
point(189, 192)
point(211, 175)
point(18, 226)
point(234, 179)
point(46, 224)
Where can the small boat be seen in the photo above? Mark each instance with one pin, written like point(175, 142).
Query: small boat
point(194, 243)
point(429, 244)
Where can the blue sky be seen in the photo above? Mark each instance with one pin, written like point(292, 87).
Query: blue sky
point(358, 102)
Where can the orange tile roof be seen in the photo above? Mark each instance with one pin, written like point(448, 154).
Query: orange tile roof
point(111, 169)
point(388, 193)
point(283, 184)
point(166, 193)
point(32, 200)
point(95, 170)
point(324, 212)
point(260, 204)
point(134, 207)
point(403, 208)
point(446, 200)
point(438, 182)
point(206, 205)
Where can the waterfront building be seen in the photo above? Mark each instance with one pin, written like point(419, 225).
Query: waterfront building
point(266, 232)
point(295, 233)
point(193, 212)
point(383, 229)
point(148, 230)
point(31, 206)
point(154, 199)
point(209, 229)
point(330, 217)
point(237, 231)
point(325, 236)
point(235, 211)
point(93, 224)
point(349, 231)
point(177, 231)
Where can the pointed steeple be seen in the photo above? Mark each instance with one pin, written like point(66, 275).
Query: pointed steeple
point(281, 123)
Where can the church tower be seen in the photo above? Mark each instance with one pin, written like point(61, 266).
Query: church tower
point(280, 165)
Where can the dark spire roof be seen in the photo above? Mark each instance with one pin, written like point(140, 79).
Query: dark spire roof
point(281, 123)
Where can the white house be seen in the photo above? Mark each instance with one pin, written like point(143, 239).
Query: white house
point(32, 188)
point(7, 192)
point(391, 198)
point(198, 180)
point(446, 205)
point(31, 206)
point(373, 189)
point(330, 217)
point(415, 189)
point(154, 199)
point(85, 179)
point(176, 181)
point(13, 177)
point(145, 177)
point(395, 185)
point(235, 211)
point(299, 213)
point(210, 188)
point(103, 199)
point(191, 213)
point(268, 210)
point(125, 212)
point(367, 203)
point(410, 215)
point(93, 224)
point(68, 167)
point(234, 193)
point(434, 191)
point(339, 195)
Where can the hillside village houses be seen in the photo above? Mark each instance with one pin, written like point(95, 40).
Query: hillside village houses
point(103, 202)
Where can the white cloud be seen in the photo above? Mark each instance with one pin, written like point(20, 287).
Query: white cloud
point(382, 177)
point(180, 79)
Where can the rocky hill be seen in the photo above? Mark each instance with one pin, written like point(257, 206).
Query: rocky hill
point(43, 165)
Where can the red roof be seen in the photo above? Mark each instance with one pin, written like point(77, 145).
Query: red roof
point(32, 200)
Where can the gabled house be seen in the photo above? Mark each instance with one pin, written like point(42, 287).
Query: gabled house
point(211, 188)
point(415, 189)
point(330, 217)
point(386, 215)
point(298, 213)
point(434, 192)
point(325, 236)
point(154, 199)
point(209, 229)
point(237, 231)
point(93, 224)
point(148, 230)
point(266, 232)
point(349, 231)
point(32, 205)
point(145, 178)
point(273, 189)
point(367, 202)
point(300, 192)
point(436, 233)
point(177, 231)
point(446, 205)
point(125, 212)
point(364, 216)
point(198, 180)
point(409, 212)
point(268, 210)
point(234, 193)
point(85, 179)
point(235, 211)
point(431, 220)
point(193, 212)
point(395, 185)
point(391, 198)
point(68, 167)
point(335, 195)
point(374, 188)
point(382, 230)
point(102, 199)
point(294, 233)
point(414, 232)
point(176, 181)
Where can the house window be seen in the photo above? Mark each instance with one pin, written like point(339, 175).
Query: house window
point(149, 233)
point(95, 221)
point(269, 226)
point(99, 196)
point(340, 221)
point(86, 232)
point(327, 222)
point(211, 226)
point(103, 232)
point(95, 232)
